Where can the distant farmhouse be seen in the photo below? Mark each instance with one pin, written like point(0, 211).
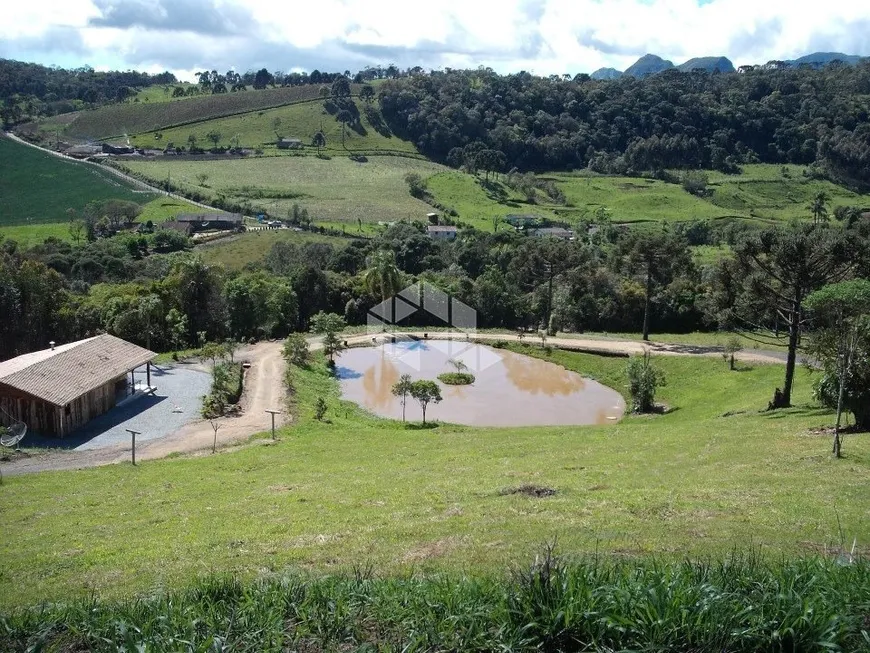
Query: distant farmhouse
point(289, 144)
point(191, 223)
point(58, 390)
point(442, 232)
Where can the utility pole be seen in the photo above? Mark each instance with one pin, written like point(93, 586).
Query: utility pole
point(134, 434)
point(273, 413)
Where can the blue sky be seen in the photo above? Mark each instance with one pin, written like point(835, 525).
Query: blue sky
point(542, 36)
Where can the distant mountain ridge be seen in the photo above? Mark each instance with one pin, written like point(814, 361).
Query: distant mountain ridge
point(651, 64)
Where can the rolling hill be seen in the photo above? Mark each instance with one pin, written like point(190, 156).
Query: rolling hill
point(37, 187)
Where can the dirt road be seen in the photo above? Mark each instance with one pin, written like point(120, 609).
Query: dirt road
point(264, 388)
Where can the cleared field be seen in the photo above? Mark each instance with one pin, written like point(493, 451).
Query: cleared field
point(760, 193)
point(260, 129)
point(356, 490)
point(132, 118)
point(238, 251)
point(776, 192)
point(37, 187)
point(337, 190)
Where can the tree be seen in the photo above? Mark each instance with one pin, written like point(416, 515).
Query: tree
point(773, 272)
point(201, 178)
point(818, 207)
point(214, 136)
point(77, 230)
point(191, 141)
point(296, 351)
point(656, 257)
point(212, 351)
point(643, 381)
point(367, 93)
point(345, 117)
point(425, 392)
point(150, 309)
point(732, 346)
point(341, 87)
point(262, 79)
point(319, 141)
point(382, 277)
point(842, 346)
point(329, 325)
point(402, 389)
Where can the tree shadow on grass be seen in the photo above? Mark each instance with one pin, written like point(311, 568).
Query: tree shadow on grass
point(796, 411)
point(419, 426)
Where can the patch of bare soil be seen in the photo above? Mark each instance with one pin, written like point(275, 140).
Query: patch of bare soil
point(429, 550)
point(536, 491)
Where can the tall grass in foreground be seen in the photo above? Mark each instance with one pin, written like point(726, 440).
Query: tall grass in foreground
point(740, 604)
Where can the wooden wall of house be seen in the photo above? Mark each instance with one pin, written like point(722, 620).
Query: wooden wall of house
point(48, 419)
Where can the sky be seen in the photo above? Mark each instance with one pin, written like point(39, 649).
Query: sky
point(540, 36)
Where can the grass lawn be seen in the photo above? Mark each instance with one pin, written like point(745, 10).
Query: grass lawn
point(335, 191)
point(236, 252)
point(356, 490)
point(259, 129)
point(37, 187)
point(701, 338)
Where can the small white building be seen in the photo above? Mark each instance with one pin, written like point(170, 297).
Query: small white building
point(439, 232)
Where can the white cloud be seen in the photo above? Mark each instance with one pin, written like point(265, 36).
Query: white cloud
point(546, 36)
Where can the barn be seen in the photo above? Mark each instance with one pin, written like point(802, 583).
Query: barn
point(58, 390)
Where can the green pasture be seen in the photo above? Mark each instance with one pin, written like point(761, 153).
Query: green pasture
point(713, 475)
point(128, 118)
point(38, 187)
point(236, 252)
point(335, 190)
point(777, 192)
point(260, 129)
point(167, 208)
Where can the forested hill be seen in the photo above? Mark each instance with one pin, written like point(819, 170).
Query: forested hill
point(669, 120)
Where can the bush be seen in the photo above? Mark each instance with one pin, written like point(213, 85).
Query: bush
point(456, 378)
point(296, 350)
point(226, 389)
point(695, 182)
point(643, 381)
point(320, 409)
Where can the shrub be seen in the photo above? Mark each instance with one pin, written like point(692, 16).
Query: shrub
point(643, 381)
point(456, 378)
point(296, 350)
point(226, 388)
point(320, 409)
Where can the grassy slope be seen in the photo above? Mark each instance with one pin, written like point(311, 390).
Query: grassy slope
point(132, 118)
point(359, 490)
point(257, 130)
point(337, 190)
point(36, 187)
point(237, 252)
point(165, 208)
point(761, 193)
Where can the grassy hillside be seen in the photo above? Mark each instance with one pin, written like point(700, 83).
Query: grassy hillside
point(38, 188)
point(335, 191)
point(259, 129)
point(761, 192)
point(132, 118)
point(712, 476)
point(238, 251)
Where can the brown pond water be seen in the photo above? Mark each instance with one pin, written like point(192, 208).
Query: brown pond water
point(509, 389)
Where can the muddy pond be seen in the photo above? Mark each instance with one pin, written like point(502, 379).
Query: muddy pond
point(509, 389)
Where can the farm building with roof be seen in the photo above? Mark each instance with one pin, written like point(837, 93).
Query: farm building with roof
point(56, 391)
